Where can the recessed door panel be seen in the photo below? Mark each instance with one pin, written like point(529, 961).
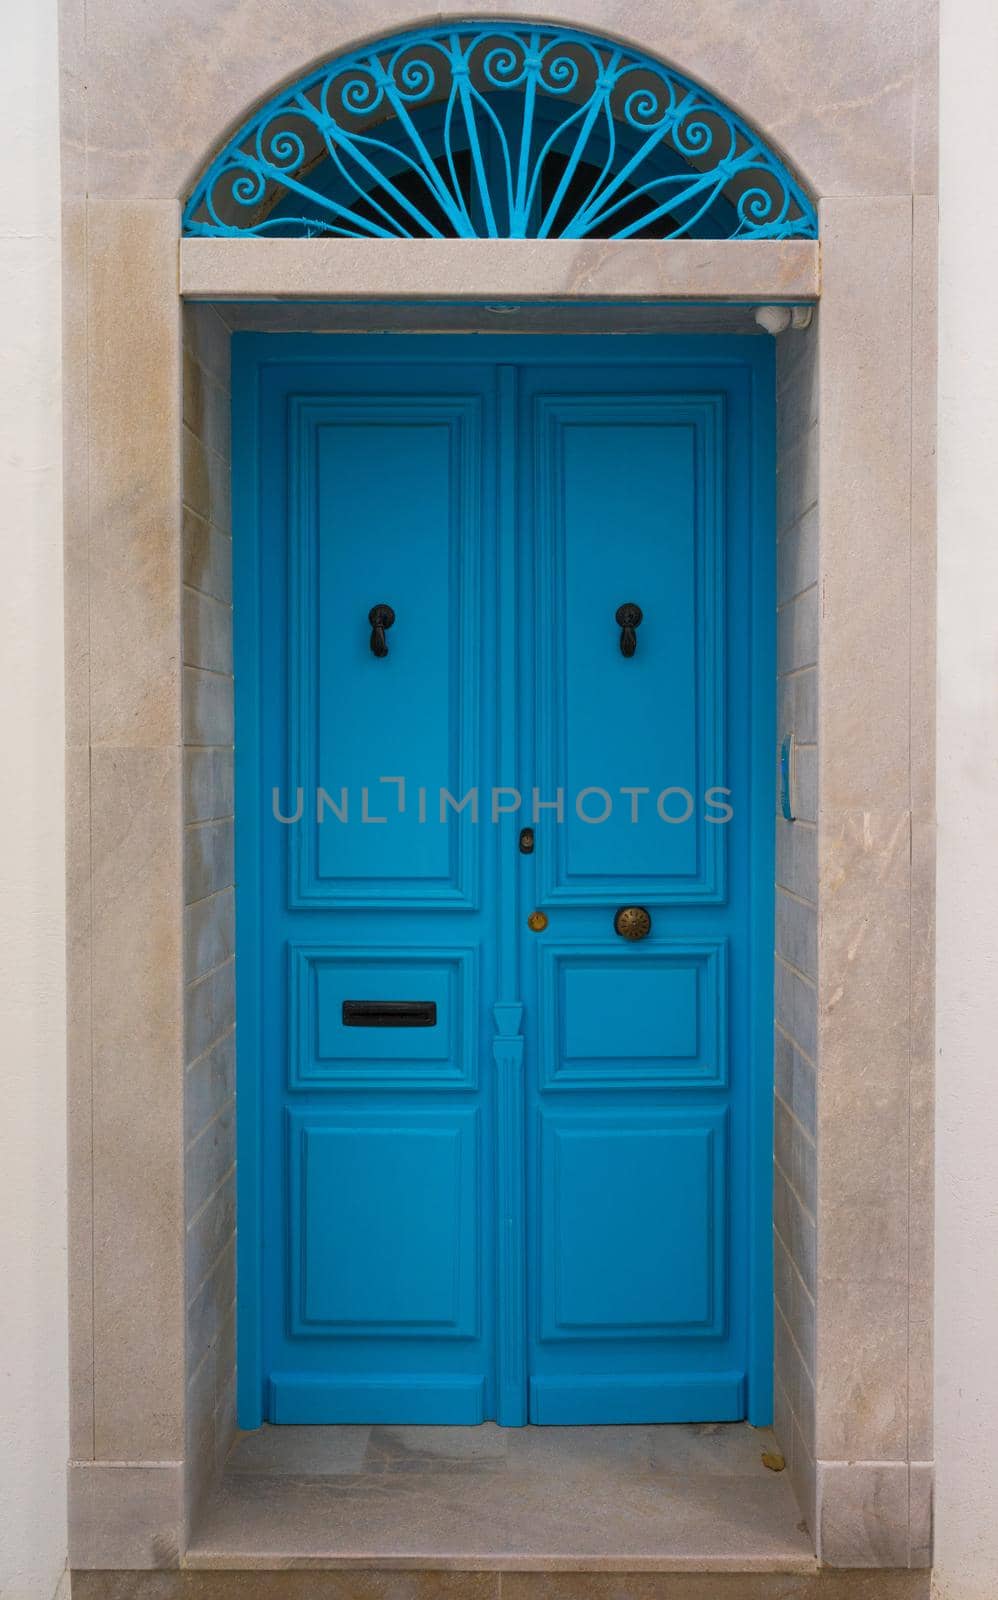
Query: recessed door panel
point(384, 1230)
point(632, 1225)
point(386, 501)
point(613, 1017)
point(629, 511)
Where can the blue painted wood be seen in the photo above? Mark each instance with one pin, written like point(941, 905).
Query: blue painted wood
point(555, 1202)
point(511, 1218)
point(660, 1397)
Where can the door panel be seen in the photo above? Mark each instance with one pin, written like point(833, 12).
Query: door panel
point(638, 1104)
point(377, 488)
point(501, 1172)
point(627, 508)
point(632, 1225)
point(613, 1017)
point(386, 503)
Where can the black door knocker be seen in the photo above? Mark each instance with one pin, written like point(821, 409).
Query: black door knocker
point(628, 619)
point(380, 618)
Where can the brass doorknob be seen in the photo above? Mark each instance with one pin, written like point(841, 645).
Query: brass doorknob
point(632, 922)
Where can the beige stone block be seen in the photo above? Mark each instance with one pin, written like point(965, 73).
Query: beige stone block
point(207, 405)
point(207, 557)
point(134, 473)
point(208, 715)
point(863, 1239)
point(920, 1373)
point(865, 474)
point(864, 960)
point(797, 557)
point(209, 932)
point(209, 341)
point(925, 226)
point(211, 1081)
point(805, 792)
point(207, 632)
point(209, 1234)
point(920, 1257)
point(208, 862)
point(863, 1513)
point(75, 474)
point(797, 632)
point(163, 83)
point(925, 100)
point(211, 1306)
point(800, 1464)
point(80, 1260)
point(796, 1306)
point(796, 1229)
point(210, 1010)
point(138, 1104)
point(697, 1586)
point(199, 1460)
point(196, 484)
point(797, 858)
point(72, 100)
point(125, 1515)
point(797, 933)
point(226, 1428)
point(797, 380)
point(920, 1487)
point(796, 1007)
point(862, 1376)
point(482, 269)
point(795, 1081)
point(192, 407)
point(208, 785)
point(795, 1155)
point(796, 477)
point(792, 1373)
point(620, 315)
point(209, 1157)
point(797, 706)
point(345, 1585)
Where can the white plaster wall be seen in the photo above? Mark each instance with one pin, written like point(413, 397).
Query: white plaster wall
point(966, 1428)
point(33, 1379)
point(33, 1408)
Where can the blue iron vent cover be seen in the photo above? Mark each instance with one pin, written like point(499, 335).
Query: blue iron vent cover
point(503, 130)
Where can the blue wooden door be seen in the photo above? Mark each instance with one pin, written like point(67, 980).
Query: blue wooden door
point(497, 1159)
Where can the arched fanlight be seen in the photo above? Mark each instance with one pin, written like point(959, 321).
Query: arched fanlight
point(498, 130)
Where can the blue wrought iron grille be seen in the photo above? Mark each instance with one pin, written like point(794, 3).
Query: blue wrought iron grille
point(498, 130)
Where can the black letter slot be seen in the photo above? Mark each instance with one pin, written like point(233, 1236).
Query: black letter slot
point(389, 1013)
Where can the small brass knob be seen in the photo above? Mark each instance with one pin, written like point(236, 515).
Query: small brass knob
point(537, 922)
point(632, 922)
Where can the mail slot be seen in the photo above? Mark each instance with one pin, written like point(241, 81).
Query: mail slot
point(389, 1013)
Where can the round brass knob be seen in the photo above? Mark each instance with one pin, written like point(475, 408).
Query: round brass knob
point(632, 922)
point(537, 922)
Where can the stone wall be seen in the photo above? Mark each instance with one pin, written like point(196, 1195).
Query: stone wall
point(796, 974)
point(209, 911)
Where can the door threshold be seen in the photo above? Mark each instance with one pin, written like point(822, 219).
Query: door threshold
point(609, 1499)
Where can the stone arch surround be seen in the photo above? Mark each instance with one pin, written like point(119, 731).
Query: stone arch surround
point(847, 92)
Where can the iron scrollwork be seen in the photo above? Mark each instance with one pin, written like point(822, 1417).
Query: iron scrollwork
point(498, 130)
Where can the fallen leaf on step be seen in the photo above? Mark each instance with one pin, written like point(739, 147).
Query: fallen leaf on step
point(773, 1460)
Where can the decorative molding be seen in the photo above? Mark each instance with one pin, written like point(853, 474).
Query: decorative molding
point(511, 1203)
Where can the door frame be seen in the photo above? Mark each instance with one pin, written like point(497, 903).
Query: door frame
point(757, 354)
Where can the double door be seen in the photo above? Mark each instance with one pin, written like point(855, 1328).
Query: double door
point(499, 658)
